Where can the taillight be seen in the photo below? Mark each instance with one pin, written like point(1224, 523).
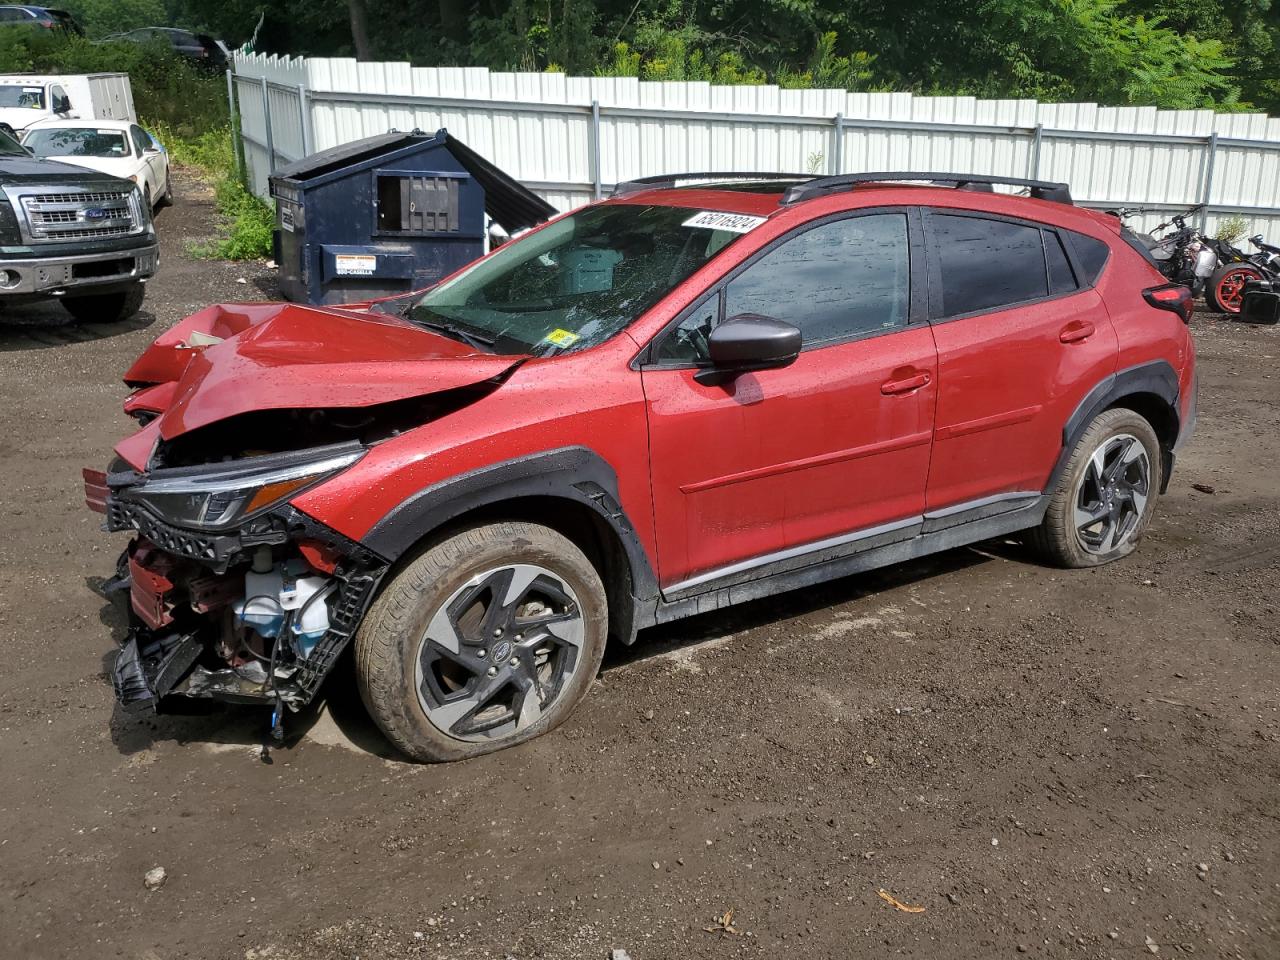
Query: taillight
point(1171, 296)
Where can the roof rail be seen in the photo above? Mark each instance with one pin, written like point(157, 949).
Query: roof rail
point(818, 186)
point(667, 181)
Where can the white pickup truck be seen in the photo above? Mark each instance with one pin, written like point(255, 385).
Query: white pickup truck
point(26, 98)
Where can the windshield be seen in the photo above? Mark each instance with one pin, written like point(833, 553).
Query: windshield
point(578, 281)
point(13, 95)
point(77, 142)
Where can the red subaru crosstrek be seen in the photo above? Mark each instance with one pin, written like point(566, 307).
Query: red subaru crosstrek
point(680, 398)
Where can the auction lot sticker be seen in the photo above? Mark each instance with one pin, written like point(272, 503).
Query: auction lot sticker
point(733, 222)
point(355, 264)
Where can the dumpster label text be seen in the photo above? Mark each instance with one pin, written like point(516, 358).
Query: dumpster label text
point(733, 222)
point(355, 264)
point(286, 219)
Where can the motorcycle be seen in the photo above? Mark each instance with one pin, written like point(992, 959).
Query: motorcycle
point(1225, 290)
point(1184, 255)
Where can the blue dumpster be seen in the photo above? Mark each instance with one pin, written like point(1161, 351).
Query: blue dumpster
point(389, 214)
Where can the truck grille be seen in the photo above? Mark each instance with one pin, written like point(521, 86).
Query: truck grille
point(70, 215)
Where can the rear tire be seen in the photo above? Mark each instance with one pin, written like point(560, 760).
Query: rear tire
point(485, 640)
point(106, 307)
point(1104, 500)
point(1224, 292)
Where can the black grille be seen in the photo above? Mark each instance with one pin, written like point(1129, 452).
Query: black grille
point(184, 543)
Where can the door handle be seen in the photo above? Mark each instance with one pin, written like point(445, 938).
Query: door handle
point(1075, 331)
point(894, 387)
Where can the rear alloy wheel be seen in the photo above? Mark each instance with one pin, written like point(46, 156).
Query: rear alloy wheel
point(486, 640)
point(1106, 494)
point(1111, 498)
point(1224, 293)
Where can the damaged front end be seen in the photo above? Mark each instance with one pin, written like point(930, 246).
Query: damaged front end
point(234, 595)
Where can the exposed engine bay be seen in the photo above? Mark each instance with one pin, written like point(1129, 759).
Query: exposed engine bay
point(248, 600)
point(235, 594)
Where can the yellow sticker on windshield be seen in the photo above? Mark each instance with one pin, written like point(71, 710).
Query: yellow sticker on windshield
point(562, 338)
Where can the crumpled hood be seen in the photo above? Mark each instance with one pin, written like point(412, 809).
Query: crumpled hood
point(231, 359)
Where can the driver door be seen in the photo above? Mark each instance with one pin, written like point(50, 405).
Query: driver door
point(829, 453)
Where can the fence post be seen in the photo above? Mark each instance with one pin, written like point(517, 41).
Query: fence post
point(1210, 152)
point(837, 148)
point(266, 117)
point(237, 144)
point(1037, 138)
point(304, 115)
point(594, 147)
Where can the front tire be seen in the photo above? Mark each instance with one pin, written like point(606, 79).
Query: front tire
point(1224, 293)
point(485, 640)
point(1106, 495)
point(106, 307)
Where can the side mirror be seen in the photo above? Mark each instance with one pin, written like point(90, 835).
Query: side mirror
point(63, 105)
point(746, 342)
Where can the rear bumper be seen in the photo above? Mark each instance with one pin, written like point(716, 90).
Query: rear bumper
point(1187, 424)
point(56, 276)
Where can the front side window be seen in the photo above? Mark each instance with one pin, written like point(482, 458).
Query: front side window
point(140, 139)
point(576, 282)
point(987, 264)
point(838, 280)
point(77, 142)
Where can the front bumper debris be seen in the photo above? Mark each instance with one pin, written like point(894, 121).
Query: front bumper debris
point(185, 638)
point(149, 667)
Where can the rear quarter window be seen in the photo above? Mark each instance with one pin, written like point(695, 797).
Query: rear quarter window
point(1091, 254)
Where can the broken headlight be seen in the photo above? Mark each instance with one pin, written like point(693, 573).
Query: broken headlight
point(217, 497)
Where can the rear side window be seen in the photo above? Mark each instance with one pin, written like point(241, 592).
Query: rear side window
point(987, 264)
point(1092, 255)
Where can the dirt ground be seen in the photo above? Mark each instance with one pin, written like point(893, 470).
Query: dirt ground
point(1049, 763)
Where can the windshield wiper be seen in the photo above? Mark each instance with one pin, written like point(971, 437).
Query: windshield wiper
point(476, 340)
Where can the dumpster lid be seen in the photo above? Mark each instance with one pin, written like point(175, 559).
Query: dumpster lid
point(506, 200)
point(344, 155)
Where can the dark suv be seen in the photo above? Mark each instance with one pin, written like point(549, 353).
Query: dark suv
point(701, 391)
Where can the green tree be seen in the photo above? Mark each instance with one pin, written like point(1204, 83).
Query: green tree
point(102, 18)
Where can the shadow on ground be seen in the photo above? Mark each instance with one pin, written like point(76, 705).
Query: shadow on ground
point(338, 717)
point(42, 325)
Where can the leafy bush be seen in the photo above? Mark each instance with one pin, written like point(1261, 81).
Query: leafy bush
point(1231, 229)
point(249, 222)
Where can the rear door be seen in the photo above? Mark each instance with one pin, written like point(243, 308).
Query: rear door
point(1022, 336)
point(833, 447)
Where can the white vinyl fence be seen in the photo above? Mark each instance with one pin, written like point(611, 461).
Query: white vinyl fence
point(572, 138)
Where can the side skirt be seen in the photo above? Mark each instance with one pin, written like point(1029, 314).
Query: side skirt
point(1028, 512)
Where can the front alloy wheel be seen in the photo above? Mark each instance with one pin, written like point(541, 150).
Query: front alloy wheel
point(499, 652)
point(484, 640)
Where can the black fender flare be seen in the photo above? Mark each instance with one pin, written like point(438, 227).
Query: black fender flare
point(576, 474)
point(1156, 377)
